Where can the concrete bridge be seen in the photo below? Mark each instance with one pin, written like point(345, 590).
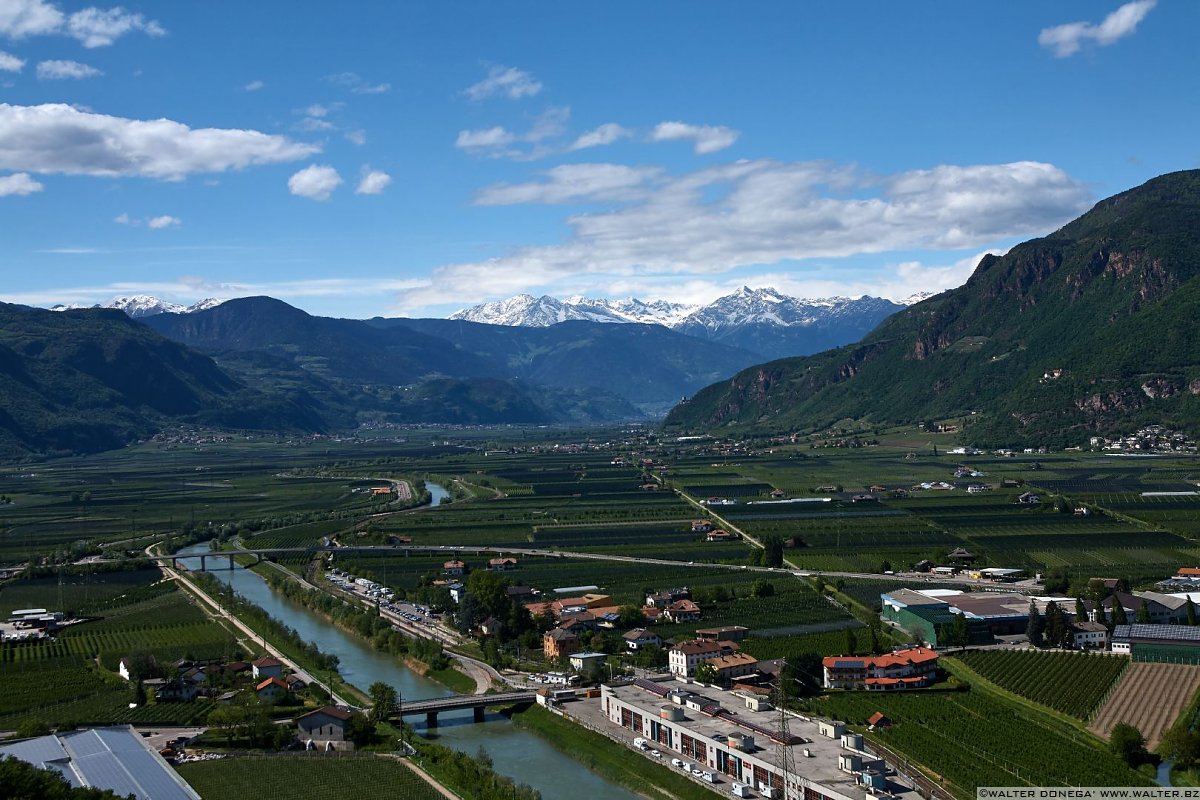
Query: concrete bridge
point(475, 702)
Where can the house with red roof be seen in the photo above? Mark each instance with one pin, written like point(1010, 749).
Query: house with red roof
point(903, 669)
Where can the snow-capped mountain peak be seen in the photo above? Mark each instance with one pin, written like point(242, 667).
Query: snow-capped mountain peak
point(746, 306)
point(143, 305)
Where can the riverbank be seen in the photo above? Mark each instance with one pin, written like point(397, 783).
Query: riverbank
point(338, 691)
point(421, 654)
point(614, 761)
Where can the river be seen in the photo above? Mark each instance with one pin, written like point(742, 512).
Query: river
point(436, 493)
point(516, 753)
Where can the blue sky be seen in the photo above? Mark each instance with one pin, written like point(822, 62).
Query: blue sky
point(414, 158)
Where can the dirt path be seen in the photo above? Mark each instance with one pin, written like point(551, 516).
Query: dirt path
point(1150, 697)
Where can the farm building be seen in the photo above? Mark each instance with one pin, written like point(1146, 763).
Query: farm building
point(1171, 644)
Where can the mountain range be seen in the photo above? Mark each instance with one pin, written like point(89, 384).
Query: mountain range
point(142, 305)
point(763, 321)
point(1094, 328)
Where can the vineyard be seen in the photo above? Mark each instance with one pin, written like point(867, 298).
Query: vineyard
point(289, 777)
point(1073, 683)
point(973, 740)
point(1150, 697)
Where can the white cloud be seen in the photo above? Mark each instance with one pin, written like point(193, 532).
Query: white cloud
point(124, 219)
point(1067, 39)
point(573, 183)
point(605, 134)
point(61, 70)
point(499, 142)
point(316, 110)
point(314, 124)
point(254, 86)
point(98, 28)
point(18, 183)
point(705, 138)
point(357, 84)
point(164, 221)
point(21, 18)
point(373, 182)
point(511, 82)
point(754, 213)
point(316, 182)
point(357, 137)
point(188, 289)
point(93, 27)
point(10, 63)
point(57, 138)
point(486, 138)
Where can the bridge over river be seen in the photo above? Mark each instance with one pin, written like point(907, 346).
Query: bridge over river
point(475, 702)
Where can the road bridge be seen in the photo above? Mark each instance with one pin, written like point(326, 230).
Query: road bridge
point(475, 702)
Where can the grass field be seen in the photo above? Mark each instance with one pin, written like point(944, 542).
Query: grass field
point(319, 777)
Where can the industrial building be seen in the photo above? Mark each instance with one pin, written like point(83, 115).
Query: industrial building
point(1171, 644)
point(116, 758)
point(742, 739)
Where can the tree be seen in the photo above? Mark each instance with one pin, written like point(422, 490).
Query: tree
point(383, 701)
point(1080, 610)
point(32, 727)
point(876, 648)
point(1119, 617)
point(851, 642)
point(1180, 745)
point(359, 729)
point(706, 672)
point(960, 634)
point(761, 588)
point(1191, 611)
point(1100, 615)
point(1143, 614)
point(1036, 627)
point(802, 675)
point(631, 616)
point(1128, 743)
point(773, 550)
point(23, 780)
point(1056, 625)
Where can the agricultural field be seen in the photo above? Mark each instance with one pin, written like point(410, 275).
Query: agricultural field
point(1073, 683)
point(1150, 697)
point(316, 777)
point(154, 489)
point(72, 680)
point(1140, 537)
point(971, 739)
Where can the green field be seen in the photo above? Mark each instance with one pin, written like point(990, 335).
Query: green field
point(1073, 683)
point(319, 777)
point(973, 739)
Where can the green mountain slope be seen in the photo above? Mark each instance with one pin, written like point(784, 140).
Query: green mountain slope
point(93, 379)
point(1112, 300)
point(646, 364)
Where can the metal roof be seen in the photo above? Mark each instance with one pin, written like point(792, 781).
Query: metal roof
point(116, 758)
point(1177, 633)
